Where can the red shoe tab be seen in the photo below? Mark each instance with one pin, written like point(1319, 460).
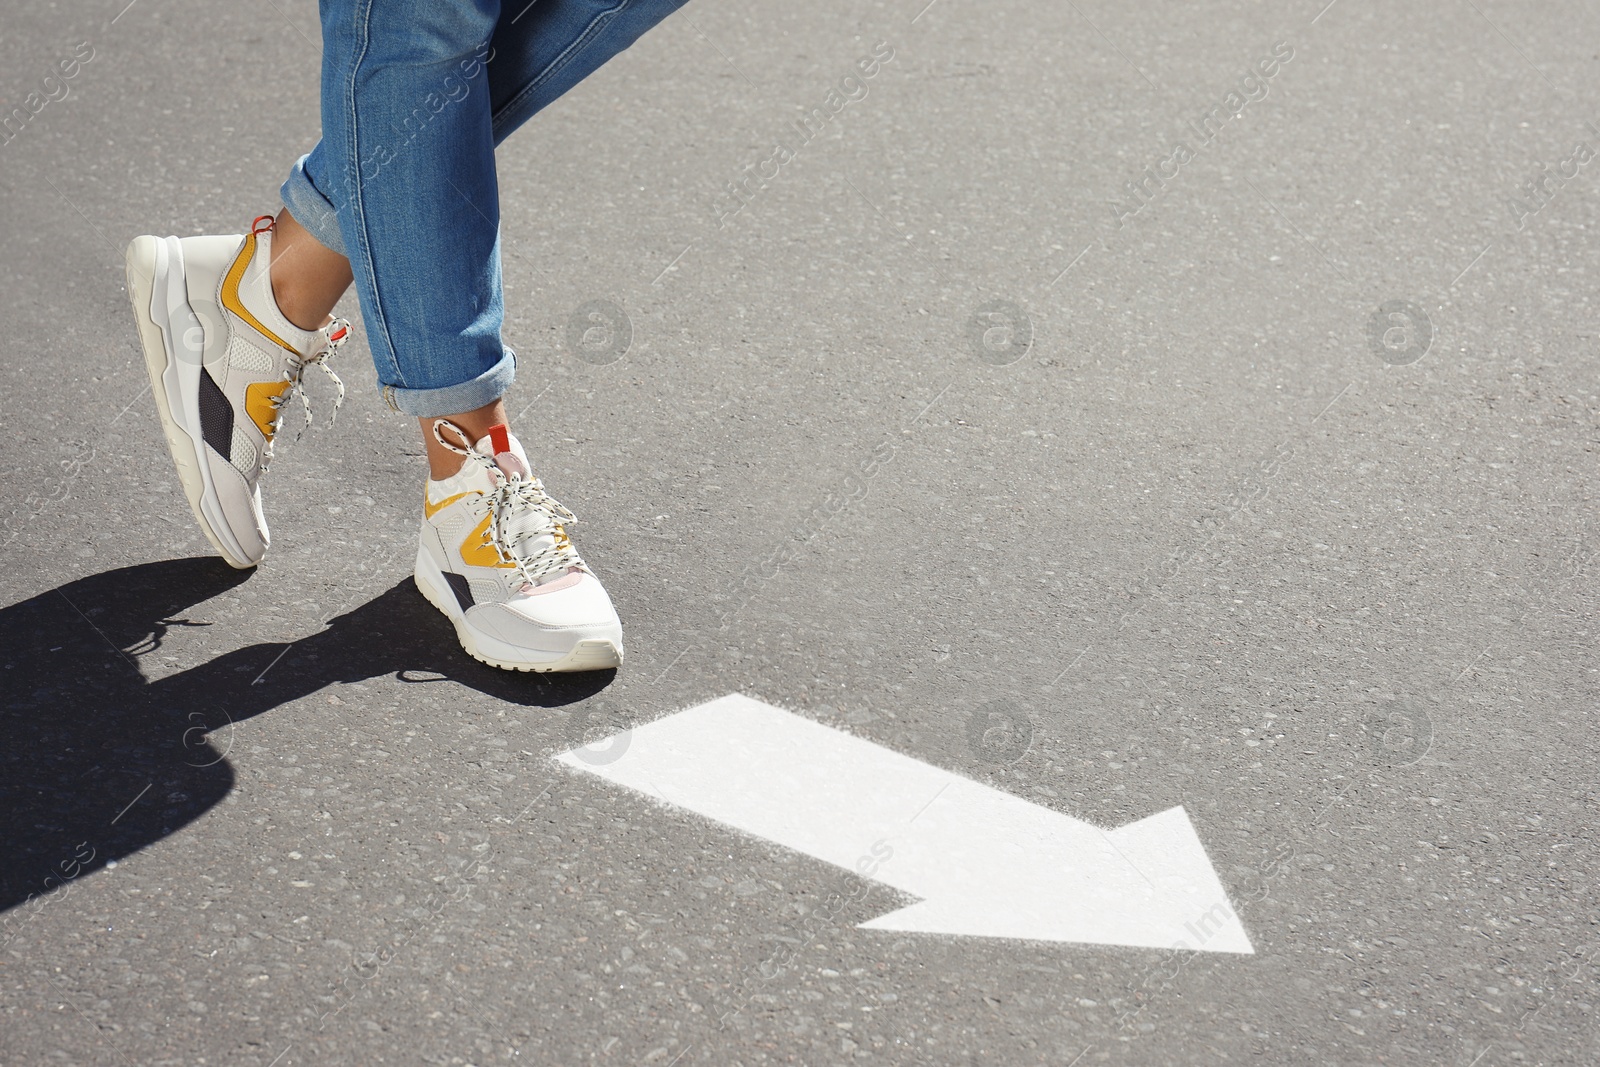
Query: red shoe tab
point(256, 227)
point(500, 438)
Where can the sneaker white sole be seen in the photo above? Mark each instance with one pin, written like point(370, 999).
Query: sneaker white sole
point(595, 654)
point(167, 324)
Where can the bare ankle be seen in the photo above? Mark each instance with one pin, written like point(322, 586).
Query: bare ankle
point(307, 278)
point(295, 309)
point(475, 424)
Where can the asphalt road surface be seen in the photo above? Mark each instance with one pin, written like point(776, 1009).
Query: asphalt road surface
point(1108, 409)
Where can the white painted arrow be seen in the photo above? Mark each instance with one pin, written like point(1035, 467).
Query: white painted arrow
point(985, 863)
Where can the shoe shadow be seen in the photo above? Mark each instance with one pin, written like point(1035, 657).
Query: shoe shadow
point(96, 762)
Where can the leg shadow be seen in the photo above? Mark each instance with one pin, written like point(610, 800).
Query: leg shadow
point(97, 763)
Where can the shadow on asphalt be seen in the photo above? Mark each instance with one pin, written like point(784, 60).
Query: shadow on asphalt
point(97, 763)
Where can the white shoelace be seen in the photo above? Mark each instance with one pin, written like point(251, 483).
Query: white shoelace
point(521, 512)
point(335, 334)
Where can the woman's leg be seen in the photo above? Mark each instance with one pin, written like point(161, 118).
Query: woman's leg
point(403, 185)
point(535, 56)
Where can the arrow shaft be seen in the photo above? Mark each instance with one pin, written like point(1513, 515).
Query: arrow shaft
point(781, 777)
point(844, 800)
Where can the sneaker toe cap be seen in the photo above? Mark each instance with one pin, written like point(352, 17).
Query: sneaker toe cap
point(554, 621)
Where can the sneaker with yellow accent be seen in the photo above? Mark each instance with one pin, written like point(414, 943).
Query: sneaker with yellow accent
point(223, 362)
point(496, 559)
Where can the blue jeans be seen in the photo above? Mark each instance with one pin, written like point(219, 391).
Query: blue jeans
point(416, 94)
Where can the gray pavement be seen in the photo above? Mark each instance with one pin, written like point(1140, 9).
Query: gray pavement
point(1254, 477)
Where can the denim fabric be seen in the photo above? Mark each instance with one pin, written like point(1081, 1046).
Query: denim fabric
point(416, 94)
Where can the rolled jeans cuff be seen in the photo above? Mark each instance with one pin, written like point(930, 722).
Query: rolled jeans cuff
point(486, 388)
point(311, 208)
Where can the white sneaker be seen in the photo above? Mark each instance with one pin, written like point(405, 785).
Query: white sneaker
point(223, 361)
point(496, 559)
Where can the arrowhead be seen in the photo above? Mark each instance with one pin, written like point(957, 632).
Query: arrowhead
point(1148, 884)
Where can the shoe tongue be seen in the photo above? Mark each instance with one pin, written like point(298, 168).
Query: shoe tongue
point(506, 451)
